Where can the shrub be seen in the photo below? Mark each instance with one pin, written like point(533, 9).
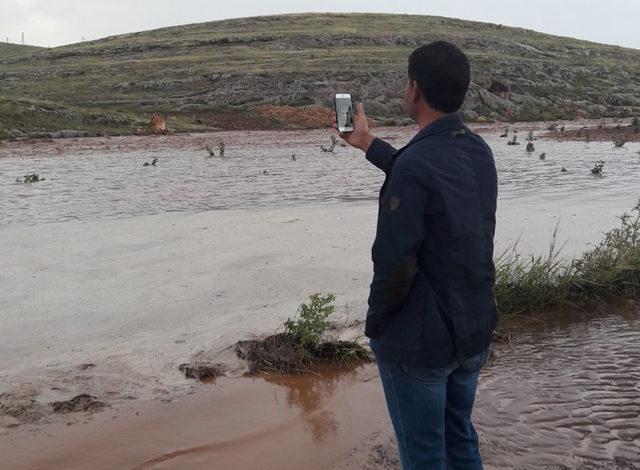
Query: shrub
point(610, 271)
point(311, 321)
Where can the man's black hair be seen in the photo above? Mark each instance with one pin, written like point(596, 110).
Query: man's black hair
point(442, 72)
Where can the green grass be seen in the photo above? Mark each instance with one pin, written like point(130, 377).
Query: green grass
point(16, 50)
point(608, 272)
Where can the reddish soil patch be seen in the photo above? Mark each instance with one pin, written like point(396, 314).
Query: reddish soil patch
point(306, 117)
point(269, 117)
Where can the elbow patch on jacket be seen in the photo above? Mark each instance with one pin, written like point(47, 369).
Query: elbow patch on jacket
point(394, 203)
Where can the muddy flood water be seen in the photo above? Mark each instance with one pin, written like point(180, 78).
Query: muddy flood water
point(565, 395)
point(98, 178)
point(114, 273)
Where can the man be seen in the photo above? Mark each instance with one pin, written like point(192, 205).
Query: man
point(432, 305)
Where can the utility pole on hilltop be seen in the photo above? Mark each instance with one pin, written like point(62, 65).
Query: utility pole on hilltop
point(23, 39)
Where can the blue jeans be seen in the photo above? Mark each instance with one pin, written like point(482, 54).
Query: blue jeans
point(431, 413)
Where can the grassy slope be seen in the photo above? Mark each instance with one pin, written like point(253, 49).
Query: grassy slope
point(8, 50)
point(197, 71)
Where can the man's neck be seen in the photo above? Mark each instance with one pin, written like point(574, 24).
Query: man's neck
point(427, 117)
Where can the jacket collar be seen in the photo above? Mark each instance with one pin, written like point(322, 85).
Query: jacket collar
point(449, 123)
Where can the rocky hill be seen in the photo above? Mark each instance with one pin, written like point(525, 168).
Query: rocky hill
point(282, 71)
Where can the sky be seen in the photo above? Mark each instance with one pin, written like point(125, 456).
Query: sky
point(52, 23)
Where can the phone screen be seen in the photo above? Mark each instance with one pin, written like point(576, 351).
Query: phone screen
point(344, 113)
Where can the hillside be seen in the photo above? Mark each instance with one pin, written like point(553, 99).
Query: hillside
point(15, 50)
point(242, 73)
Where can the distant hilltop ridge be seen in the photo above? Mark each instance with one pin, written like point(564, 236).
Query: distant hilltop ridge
point(282, 71)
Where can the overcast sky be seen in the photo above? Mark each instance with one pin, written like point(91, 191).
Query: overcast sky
point(57, 22)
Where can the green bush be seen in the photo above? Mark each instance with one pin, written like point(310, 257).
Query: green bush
point(610, 271)
point(311, 321)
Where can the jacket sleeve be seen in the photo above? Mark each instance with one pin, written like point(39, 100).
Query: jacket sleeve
point(381, 154)
point(399, 236)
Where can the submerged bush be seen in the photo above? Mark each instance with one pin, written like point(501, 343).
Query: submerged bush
point(30, 178)
point(610, 271)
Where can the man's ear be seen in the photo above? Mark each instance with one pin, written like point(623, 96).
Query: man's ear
point(416, 94)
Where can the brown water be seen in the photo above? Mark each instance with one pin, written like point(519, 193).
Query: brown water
point(565, 396)
point(98, 178)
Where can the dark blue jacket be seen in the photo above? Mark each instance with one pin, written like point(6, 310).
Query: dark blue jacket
point(432, 295)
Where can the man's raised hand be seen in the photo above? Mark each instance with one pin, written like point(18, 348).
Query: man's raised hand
point(360, 138)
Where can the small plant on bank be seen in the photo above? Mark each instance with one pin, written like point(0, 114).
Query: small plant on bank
point(30, 178)
point(553, 126)
point(303, 343)
point(530, 147)
point(514, 140)
point(505, 133)
point(311, 322)
point(530, 137)
point(221, 148)
point(636, 124)
point(210, 151)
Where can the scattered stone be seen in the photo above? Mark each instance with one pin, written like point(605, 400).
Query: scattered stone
point(79, 403)
point(564, 170)
point(202, 371)
point(501, 89)
point(543, 156)
point(86, 366)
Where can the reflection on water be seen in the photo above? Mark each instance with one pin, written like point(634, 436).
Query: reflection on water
point(104, 178)
point(311, 394)
point(565, 396)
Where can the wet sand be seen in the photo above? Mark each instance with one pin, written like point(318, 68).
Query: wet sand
point(139, 296)
point(565, 395)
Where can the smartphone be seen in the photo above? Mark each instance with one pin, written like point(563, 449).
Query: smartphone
point(344, 112)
